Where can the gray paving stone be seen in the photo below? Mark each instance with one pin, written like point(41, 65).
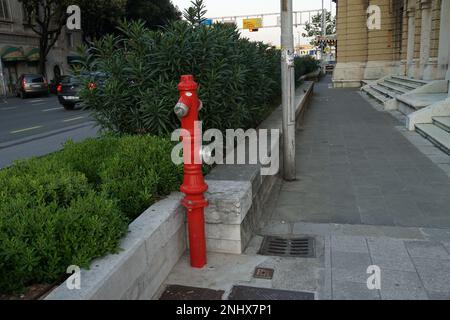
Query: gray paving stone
point(350, 260)
point(435, 274)
point(349, 244)
point(358, 275)
point(426, 249)
point(439, 295)
point(276, 228)
point(347, 290)
point(400, 285)
point(390, 254)
point(341, 160)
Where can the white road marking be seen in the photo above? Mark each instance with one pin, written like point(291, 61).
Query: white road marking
point(34, 101)
point(8, 108)
point(52, 109)
point(73, 119)
point(27, 129)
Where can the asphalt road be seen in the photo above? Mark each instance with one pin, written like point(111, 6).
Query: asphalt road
point(37, 126)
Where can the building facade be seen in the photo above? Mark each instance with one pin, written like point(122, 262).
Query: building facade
point(412, 38)
point(19, 47)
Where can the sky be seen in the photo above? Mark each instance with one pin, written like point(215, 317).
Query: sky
point(223, 8)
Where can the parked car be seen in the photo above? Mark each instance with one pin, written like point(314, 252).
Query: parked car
point(31, 84)
point(69, 87)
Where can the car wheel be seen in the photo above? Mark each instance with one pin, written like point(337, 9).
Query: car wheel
point(69, 106)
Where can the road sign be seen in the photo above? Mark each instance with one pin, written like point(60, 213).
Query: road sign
point(207, 22)
point(253, 24)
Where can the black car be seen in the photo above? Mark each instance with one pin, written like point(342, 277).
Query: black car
point(68, 92)
point(70, 86)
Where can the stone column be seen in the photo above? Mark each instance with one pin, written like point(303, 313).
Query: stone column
point(425, 38)
point(410, 66)
point(444, 40)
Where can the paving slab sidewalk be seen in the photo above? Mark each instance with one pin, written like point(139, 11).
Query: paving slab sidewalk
point(367, 194)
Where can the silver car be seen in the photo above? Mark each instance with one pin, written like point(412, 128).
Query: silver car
point(31, 84)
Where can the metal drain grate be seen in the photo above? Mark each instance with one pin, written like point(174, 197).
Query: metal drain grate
point(276, 246)
point(263, 273)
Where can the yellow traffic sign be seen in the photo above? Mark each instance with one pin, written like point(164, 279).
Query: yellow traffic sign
point(253, 24)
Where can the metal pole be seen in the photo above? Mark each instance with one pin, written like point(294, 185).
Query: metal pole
point(288, 89)
point(324, 33)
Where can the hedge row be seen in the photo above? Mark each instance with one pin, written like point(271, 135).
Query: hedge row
point(73, 206)
point(239, 80)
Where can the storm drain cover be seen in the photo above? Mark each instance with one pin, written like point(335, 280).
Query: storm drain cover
point(252, 293)
point(175, 292)
point(276, 246)
point(263, 273)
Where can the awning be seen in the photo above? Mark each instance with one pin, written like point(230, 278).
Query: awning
point(33, 55)
point(13, 54)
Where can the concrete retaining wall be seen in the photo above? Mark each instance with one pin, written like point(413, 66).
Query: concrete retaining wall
point(155, 243)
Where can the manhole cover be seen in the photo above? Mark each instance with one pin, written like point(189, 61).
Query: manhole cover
point(175, 292)
point(252, 293)
point(275, 246)
point(263, 273)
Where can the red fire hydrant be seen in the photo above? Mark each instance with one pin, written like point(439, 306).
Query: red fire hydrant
point(194, 185)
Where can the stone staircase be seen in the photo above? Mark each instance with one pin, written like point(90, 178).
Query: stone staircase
point(388, 90)
point(437, 132)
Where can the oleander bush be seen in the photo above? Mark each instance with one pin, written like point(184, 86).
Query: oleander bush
point(239, 80)
point(305, 65)
point(72, 206)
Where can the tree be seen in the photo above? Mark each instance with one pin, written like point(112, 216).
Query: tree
point(196, 13)
point(100, 17)
point(154, 13)
point(47, 19)
point(314, 28)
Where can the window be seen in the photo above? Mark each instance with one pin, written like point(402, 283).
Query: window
point(4, 10)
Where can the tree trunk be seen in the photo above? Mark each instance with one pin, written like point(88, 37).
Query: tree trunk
point(42, 59)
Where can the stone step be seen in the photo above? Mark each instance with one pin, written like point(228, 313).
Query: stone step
point(393, 87)
point(442, 122)
point(422, 100)
point(406, 85)
point(367, 82)
point(386, 92)
point(440, 138)
point(375, 94)
point(411, 80)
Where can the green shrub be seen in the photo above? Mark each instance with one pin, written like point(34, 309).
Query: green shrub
point(239, 80)
point(305, 65)
point(50, 220)
point(70, 207)
point(140, 172)
point(45, 181)
point(88, 157)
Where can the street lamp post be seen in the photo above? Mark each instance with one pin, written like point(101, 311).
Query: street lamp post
point(288, 89)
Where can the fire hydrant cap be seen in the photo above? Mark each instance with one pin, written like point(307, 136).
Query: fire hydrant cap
point(187, 83)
